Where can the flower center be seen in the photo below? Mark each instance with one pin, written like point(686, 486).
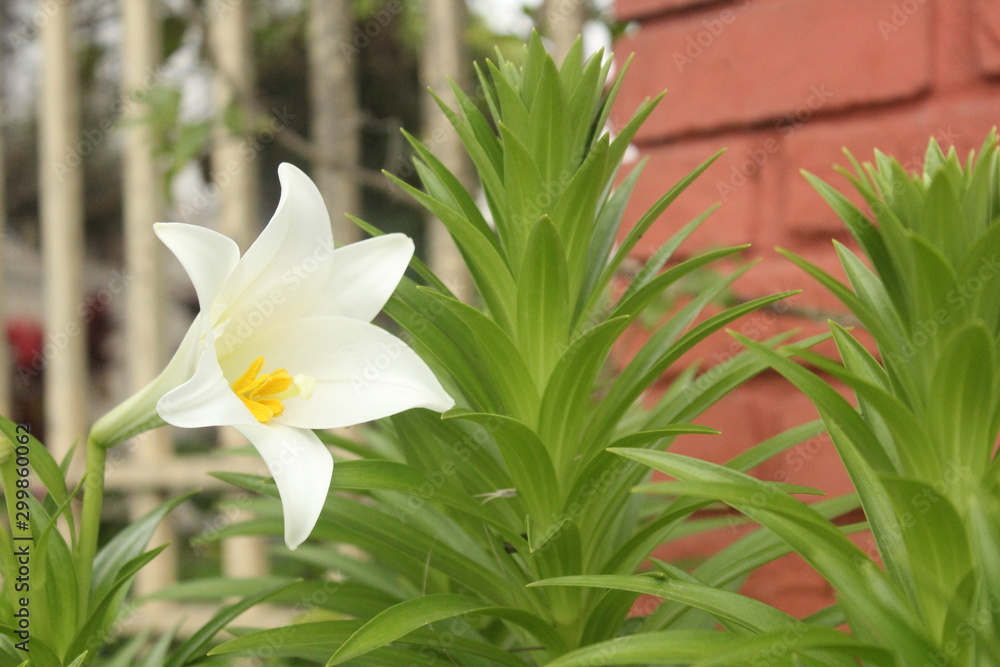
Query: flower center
point(263, 394)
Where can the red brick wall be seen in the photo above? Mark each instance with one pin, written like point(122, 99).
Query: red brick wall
point(784, 85)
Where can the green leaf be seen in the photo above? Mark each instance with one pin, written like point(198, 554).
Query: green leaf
point(42, 463)
point(546, 136)
point(126, 545)
point(858, 450)
point(438, 336)
point(52, 581)
point(159, 652)
point(961, 418)
point(489, 269)
point(635, 300)
point(498, 358)
point(647, 366)
point(669, 647)
point(128, 655)
point(543, 301)
point(570, 386)
point(104, 610)
point(315, 642)
point(730, 608)
point(575, 213)
point(873, 321)
point(530, 469)
point(401, 478)
point(210, 589)
point(525, 189)
point(646, 221)
point(602, 240)
point(195, 647)
point(937, 541)
point(865, 591)
point(402, 619)
point(79, 660)
point(866, 234)
point(799, 644)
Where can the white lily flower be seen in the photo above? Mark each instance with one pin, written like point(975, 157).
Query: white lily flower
point(283, 343)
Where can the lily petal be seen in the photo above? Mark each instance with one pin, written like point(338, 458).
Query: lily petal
point(284, 271)
point(362, 372)
point(206, 399)
point(302, 468)
point(364, 276)
point(207, 256)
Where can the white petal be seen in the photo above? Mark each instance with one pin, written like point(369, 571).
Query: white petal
point(364, 276)
point(283, 273)
point(302, 468)
point(206, 399)
point(207, 256)
point(362, 372)
point(182, 365)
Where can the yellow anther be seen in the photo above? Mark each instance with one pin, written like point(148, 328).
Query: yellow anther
point(262, 395)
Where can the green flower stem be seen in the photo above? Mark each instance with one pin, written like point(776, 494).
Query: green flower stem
point(136, 414)
point(93, 500)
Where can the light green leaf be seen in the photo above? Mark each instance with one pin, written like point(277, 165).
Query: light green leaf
point(543, 301)
point(195, 647)
point(398, 621)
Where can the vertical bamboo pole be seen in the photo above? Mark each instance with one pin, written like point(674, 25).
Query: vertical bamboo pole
point(141, 53)
point(443, 59)
point(234, 169)
point(61, 211)
point(5, 377)
point(333, 103)
point(563, 22)
point(232, 54)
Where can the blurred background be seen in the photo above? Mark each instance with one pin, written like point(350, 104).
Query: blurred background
point(120, 113)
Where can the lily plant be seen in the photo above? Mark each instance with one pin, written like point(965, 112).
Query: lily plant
point(501, 510)
point(460, 527)
point(920, 444)
point(283, 344)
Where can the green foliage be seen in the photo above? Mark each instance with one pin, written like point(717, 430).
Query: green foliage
point(39, 567)
point(920, 446)
point(454, 519)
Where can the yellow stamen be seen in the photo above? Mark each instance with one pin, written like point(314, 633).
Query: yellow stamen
point(262, 395)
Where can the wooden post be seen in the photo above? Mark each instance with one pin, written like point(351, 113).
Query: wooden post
point(5, 368)
point(141, 53)
point(61, 210)
point(234, 169)
point(334, 113)
point(229, 35)
point(442, 58)
point(562, 22)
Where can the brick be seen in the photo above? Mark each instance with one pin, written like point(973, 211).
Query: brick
point(775, 274)
point(987, 24)
point(689, 549)
point(731, 224)
point(963, 121)
point(737, 417)
point(630, 10)
point(791, 585)
point(763, 407)
point(787, 583)
point(760, 325)
point(805, 313)
point(817, 146)
point(760, 62)
point(814, 462)
point(955, 60)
